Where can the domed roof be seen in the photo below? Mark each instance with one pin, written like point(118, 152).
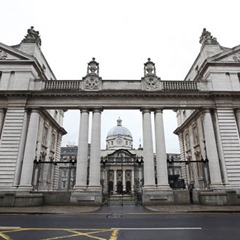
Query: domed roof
point(119, 130)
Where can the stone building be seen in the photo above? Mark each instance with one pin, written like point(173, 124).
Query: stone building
point(209, 137)
point(28, 136)
point(121, 164)
point(33, 102)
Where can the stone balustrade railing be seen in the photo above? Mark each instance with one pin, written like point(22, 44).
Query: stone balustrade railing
point(62, 85)
point(76, 85)
point(179, 85)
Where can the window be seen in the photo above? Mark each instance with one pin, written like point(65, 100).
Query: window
point(195, 136)
point(187, 140)
point(44, 138)
point(53, 141)
point(0, 75)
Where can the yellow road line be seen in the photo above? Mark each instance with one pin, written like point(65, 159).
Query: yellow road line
point(76, 232)
point(4, 236)
point(114, 235)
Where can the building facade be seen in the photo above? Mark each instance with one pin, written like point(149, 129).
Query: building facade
point(209, 137)
point(21, 67)
point(121, 165)
point(32, 102)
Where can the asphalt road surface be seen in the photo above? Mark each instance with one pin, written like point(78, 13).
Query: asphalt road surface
point(121, 223)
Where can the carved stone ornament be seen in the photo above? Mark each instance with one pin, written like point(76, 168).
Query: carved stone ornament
point(207, 38)
point(151, 83)
point(3, 54)
point(236, 57)
point(92, 83)
point(32, 36)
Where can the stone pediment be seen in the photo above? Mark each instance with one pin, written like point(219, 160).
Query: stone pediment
point(229, 55)
point(10, 53)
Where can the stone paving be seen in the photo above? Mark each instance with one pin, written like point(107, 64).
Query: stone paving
point(119, 209)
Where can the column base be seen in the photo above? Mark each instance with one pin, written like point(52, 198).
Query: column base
point(80, 188)
point(218, 197)
point(156, 196)
point(164, 187)
point(26, 188)
point(95, 188)
point(89, 197)
point(217, 186)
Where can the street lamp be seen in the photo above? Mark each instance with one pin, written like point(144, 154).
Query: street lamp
point(139, 182)
point(103, 163)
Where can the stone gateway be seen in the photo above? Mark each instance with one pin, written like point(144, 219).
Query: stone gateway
point(32, 106)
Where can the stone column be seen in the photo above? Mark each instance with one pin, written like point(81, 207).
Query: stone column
point(94, 174)
point(21, 151)
point(114, 180)
point(161, 156)
point(2, 113)
point(30, 151)
point(124, 180)
point(211, 150)
point(133, 182)
point(237, 114)
point(149, 176)
point(82, 157)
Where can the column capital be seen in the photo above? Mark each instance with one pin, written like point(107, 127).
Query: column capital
point(206, 110)
point(160, 110)
point(84, 110)
point(145, 110)
point(97, 110)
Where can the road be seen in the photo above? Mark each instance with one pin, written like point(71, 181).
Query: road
point(121, 224)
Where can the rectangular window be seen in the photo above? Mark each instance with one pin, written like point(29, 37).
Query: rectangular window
point(0, 75)
point(44, 138)
point(195, 136)
point(53, 141)
point(187, 141)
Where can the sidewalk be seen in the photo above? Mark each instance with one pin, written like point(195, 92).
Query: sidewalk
point(192, 208)
point(171, 209)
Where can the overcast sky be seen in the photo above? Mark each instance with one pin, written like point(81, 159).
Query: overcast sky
point(121, 35)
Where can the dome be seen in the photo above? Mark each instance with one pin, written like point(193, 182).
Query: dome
point(119, 130)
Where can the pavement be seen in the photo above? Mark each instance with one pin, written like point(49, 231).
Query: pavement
point(127, 209)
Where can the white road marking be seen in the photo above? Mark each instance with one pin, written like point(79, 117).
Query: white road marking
point(158, 229)
point(8, 227)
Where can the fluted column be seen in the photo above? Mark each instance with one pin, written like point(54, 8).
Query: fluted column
point(30, 151)
point(161, 156)
point(82, 157)
point(94, 176)
point(149, 176)
point(211, 149)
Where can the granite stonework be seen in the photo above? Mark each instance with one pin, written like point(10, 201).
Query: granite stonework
point(33, 102)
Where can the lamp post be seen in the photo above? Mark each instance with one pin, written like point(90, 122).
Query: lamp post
point(103, 163)
point(139, 182)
